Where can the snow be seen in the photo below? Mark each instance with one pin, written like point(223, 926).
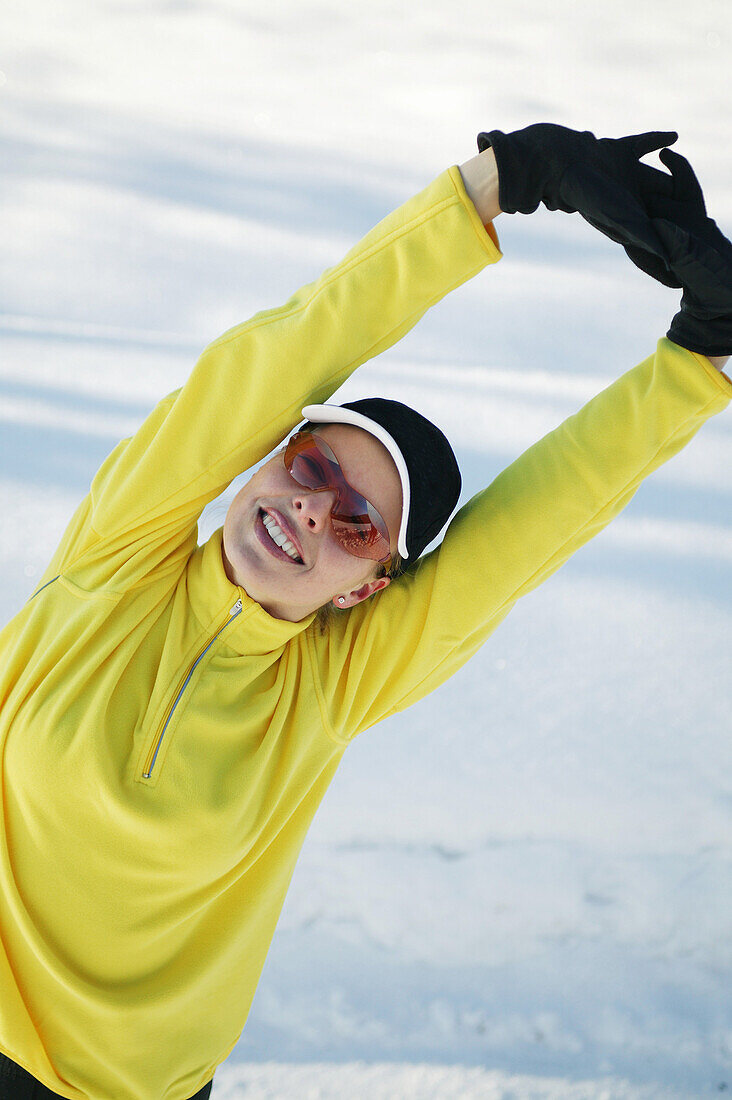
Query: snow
point(379, 1081)
point(522, 886)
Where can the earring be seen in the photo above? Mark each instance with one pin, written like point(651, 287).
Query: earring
point(341, 599)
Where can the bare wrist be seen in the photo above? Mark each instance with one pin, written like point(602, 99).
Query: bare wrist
point(480, 178)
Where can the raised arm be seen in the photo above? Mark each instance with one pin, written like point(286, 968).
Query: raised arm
point(248, 388)
point(571, 484)
point(511, 537)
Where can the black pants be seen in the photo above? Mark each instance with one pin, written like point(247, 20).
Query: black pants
point(17, 1084)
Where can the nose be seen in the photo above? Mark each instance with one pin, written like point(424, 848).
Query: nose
point(313, 508)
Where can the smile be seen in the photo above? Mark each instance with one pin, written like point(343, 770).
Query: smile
point(275, 539)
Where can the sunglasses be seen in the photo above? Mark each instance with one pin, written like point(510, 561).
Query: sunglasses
point(357, 525)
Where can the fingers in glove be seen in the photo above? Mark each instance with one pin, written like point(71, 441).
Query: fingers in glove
point(686, 187)
point(652, 140)
point(612, 208)
point(651, 182)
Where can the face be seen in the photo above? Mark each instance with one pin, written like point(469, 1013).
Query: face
point(284, 587)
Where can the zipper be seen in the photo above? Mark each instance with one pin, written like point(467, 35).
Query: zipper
point(153, 754)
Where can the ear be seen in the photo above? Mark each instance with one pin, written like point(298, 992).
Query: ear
point(350, 599)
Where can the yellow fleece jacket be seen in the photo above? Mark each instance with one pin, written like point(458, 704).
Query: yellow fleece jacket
point(165, 743)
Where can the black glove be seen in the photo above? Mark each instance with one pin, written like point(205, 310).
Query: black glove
point(700, 258)
point(602, 179)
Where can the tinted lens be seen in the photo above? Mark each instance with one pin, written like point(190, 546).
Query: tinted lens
point(309, 466)
point(358, 526)
point(359, 539)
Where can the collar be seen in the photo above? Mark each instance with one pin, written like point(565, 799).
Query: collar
point(212, 595)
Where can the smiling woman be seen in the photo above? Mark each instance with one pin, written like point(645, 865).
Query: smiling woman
point(311, 527)
point(319, 567)
point(172, 715)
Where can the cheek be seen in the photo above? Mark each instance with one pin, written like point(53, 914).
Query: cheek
point(340, 569)
point(235, 510)
point(257, 484)
point(358, 573)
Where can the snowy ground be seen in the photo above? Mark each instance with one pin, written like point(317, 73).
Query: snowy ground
point(522, 887)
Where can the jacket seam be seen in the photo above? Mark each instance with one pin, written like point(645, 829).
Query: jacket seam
point(515, 595)
point(320, 694)
point(80, 593)
point(103, 592)
point(141, 582)
point(59, 576)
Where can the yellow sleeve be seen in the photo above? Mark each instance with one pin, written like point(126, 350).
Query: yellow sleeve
point(388, 652)
point(247, 390)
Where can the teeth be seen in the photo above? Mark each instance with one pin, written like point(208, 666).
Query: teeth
point(277, 535)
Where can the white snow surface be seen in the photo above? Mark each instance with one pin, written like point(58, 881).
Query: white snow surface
point(522, 886)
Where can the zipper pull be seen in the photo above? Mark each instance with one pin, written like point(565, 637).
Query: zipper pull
point(236, 608)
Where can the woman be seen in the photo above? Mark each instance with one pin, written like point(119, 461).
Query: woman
point(172, 714)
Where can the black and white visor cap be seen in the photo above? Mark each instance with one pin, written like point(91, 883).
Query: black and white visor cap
point(422, 454)
point(339, 414)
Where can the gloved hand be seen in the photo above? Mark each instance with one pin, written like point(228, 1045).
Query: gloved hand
point(602, 179)
point(699, 257)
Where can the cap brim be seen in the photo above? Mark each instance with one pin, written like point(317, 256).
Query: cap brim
point(336, 414)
